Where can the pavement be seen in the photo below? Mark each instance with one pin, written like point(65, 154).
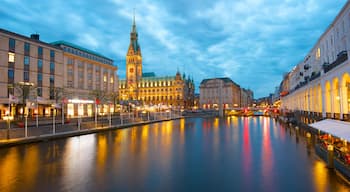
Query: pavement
point(45, 132)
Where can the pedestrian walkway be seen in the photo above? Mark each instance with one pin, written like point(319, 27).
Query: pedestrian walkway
point(81, 126)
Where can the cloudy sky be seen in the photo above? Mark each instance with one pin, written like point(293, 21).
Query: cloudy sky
point(251, 41)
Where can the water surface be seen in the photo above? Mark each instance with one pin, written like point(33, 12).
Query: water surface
point(210, 154)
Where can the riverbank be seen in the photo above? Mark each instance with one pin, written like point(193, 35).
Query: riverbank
point(48, 137)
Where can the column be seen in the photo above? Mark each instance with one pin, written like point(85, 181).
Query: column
point(323, 99)
point(340, 99)
point(345, 97)
point(332, 98)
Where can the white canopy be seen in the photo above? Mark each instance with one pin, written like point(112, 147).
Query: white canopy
point(336, 128)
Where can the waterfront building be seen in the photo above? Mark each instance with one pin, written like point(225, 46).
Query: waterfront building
point(264, 102)
point(247, 97)
point(89, 78)
point(149, 89)
point(223, 90)
point(320, 84)
point(30, 61)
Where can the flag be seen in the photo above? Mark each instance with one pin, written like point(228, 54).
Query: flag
point(13, 98)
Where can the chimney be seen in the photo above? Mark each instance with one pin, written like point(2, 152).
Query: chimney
point(34, 36)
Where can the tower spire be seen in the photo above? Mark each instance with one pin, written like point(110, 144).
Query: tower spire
point(134, 23)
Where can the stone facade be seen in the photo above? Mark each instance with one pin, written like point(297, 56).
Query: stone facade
point(148, 89)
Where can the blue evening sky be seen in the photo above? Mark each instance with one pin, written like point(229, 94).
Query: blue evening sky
point(251, 41)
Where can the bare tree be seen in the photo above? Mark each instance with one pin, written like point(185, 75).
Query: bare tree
point(102, 96)
point(113, 98)
point(57, 93)
point(24, 90)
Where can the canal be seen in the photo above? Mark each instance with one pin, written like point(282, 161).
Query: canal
point(195, 154)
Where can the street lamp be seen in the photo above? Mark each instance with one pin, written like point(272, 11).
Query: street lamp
point(25, 88)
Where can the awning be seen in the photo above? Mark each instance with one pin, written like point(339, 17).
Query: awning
point(336, 128)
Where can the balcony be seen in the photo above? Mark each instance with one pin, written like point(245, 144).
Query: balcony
point(315, 75)
point(341, 58)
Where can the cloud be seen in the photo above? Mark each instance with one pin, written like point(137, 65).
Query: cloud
point(251, 41)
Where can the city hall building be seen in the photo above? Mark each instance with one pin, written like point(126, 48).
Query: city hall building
point(147, 88)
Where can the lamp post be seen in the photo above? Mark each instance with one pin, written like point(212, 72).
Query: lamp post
point(53, 120)
point(25, 88)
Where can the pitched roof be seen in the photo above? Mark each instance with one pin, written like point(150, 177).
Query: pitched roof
point(224, 79)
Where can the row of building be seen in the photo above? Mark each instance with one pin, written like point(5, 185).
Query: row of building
point(320, 84)
point(37, 77)
point(51, 74)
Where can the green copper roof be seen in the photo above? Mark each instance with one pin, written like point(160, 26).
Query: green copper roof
point(58, 43)
point(148, 74)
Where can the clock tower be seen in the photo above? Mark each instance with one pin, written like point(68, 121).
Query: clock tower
point(133, 64)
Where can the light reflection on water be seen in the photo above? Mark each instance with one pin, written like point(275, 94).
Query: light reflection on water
point(242, 154)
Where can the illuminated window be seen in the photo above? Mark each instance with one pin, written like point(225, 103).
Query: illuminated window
point(112, 80)
point(11, 57)
point(318, 53)
point(105, 78)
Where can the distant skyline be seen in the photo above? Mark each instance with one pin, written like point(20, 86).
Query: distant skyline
point(253, 42)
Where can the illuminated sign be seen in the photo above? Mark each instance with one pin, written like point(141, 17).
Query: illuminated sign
point(80, 101)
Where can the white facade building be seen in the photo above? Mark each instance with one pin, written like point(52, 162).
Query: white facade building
point(321, 83)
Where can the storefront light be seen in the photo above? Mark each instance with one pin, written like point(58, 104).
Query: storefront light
point(80, 101)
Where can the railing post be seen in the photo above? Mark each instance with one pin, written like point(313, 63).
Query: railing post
point(330, 153)
point(26, 126)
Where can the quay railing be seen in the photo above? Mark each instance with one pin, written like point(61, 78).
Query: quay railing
point(47, 126)
point(308, 117)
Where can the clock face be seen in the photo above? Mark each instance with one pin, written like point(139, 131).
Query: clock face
point(131, 70)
